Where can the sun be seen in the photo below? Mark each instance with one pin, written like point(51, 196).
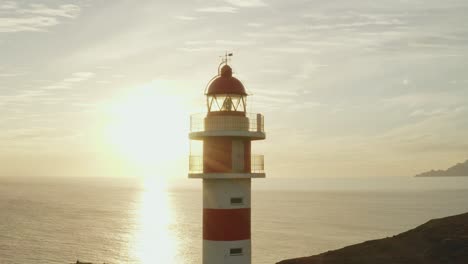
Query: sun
point(147, 127)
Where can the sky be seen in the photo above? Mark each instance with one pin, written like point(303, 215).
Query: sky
point(347, 87)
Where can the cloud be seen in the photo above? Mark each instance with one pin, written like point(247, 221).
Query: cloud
point(225, 42)
point(26, 24)
point(68, 11)
point(420, 100)
point(215, 45)
point(30, 133)
point(443, 131)
point(401, 150)
point(196, 42)
point(352, 20)
point(67, 83)
point(415, 32)
point(35, 17)
point(434, 112)
point(48, 94)
point(11, 74)
point(8, 5)
point(275, 71)
point(187, 18)
point(255, 25)
point(308, 69)
point(21, 97)
point(219, 42)
point(201, 49)
point(270, 99)
point(421, 112)
point(79, 77)
point(218, 9)
point(292, 50)
point(246, 3)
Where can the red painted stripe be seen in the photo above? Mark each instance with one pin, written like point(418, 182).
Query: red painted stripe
point(217, 155)
point(226, 224)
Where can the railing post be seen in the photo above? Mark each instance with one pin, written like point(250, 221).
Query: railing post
point(259, 123)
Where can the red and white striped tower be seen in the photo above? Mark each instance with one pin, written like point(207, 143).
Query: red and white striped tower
point(226, 168)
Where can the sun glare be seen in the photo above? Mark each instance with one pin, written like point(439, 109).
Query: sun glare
point(155, 241)
point(148, 127)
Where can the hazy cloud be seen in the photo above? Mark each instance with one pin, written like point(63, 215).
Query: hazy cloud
point(423, 99)
point(34, 17)
point(246, 3)
point(22, 96)
point(8, 5)
point(255, 25)
point(423, 112)
point(225, 42)
point(11, 74)
point(187, 18)
point(67, 83)
point(218, 9)
point(292, 50)
point(69, 11)
point(79, 77)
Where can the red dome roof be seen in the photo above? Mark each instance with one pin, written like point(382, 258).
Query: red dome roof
point(226, 84)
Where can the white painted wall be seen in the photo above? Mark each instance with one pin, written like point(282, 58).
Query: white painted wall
point(217, 252)
point(217, 193)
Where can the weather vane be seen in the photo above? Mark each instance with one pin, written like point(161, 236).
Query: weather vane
point(225, 59)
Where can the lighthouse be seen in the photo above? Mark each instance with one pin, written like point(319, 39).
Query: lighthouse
point(226, 167)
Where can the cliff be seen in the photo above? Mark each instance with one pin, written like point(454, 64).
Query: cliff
point(439, 241)
point(461, 169)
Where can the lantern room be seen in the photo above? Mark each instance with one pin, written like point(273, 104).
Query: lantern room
point(226, 95)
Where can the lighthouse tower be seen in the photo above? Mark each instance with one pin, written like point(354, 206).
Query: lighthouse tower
point(226, 168)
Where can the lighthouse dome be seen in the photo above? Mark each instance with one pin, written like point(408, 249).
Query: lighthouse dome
point(224, 83)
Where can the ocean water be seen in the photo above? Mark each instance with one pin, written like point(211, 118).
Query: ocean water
point(145, 221)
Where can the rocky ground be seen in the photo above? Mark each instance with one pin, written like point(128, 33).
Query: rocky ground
point(441, 241)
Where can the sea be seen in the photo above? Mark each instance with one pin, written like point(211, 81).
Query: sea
point(143, 221)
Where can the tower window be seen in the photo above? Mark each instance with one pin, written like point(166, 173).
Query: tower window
point(226, 102)
point(237, 201)
point(235, 251)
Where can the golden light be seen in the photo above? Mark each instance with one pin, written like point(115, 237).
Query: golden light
point(154, 240)
point(148, 127)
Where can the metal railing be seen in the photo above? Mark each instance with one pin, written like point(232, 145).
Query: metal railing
point(257, 164)
point(195, 164)
point(251, 122)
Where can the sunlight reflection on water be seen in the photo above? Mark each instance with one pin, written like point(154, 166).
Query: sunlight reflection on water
point(155, 240)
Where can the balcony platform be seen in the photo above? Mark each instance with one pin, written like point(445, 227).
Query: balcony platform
point(249, 126)
point(226, 175)
point(227, 133)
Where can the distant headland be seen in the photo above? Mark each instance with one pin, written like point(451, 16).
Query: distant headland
point(439, 241)
point(461, 169)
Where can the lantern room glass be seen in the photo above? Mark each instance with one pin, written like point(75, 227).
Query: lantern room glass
point(226, 103)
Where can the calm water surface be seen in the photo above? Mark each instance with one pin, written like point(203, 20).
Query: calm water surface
point(130, 221)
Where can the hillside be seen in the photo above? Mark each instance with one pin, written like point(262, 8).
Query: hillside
point(461, 169)
point(439, 241)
